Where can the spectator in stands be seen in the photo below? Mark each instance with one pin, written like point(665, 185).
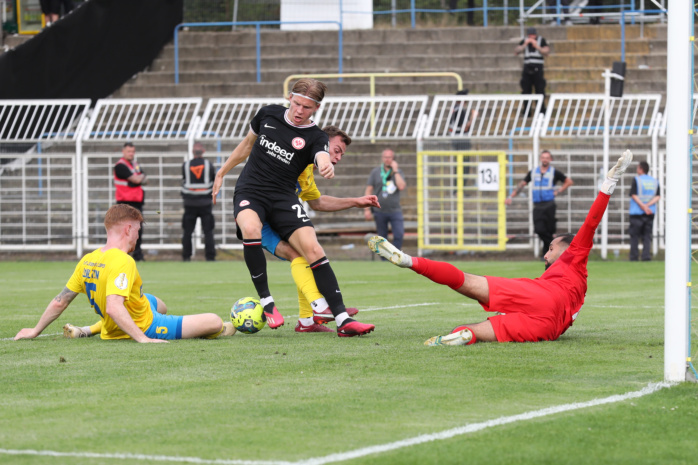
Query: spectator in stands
point(644, 195)
point(129, 180)
point(544, 179)
point(198, 175)
point(459, 125)
point(460, 122)
point(594, 6)
point(387, 181)
point(564, 9)
point(535, 48)
point(469, 15)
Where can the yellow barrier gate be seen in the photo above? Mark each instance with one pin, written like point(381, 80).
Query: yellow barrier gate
point(461, 200)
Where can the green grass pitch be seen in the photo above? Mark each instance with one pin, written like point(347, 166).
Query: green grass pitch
point(278, 396)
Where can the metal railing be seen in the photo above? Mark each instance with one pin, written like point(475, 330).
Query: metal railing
point(582, 115)
point(24, 121)
point(63, 212)
point(372, 78)
point(257, 25)
point(489, 116)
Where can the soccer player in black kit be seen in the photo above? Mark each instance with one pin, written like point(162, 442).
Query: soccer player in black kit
point(281, 143)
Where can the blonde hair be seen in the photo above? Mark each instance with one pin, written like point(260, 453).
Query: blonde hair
point(120, 213)
point(311, 88)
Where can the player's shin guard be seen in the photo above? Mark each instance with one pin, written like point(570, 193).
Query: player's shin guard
point(439, 272)
point(257, 265)
point(305, 310)
point(327, 284)
point(307, 289)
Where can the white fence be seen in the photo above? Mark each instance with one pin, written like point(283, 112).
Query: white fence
point(57, 157)
point(573, 129)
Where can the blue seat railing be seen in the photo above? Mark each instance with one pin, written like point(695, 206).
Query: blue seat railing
point(258, 25)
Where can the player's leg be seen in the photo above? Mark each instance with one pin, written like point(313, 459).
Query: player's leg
point(205, 325)
point(470, 285)
point(159, 305)
point(75, 332)
point(305, 286)
point(314, 311)
point(305, 241)
point(250, 225)
point(188, 225)
point(171, 327)
point(302, 276)
point(465, 335)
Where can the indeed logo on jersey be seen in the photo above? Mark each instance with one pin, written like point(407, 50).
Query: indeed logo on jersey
point(276, 151)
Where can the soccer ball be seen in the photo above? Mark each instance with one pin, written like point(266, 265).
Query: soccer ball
point(247, 315)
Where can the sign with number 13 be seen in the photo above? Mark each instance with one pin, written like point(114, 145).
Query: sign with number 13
point(488, 176)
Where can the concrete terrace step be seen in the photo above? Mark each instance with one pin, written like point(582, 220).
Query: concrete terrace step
point(468, 75)
point(329, 64)
point(217, 64)
point(247, 89)
point(453, 35)
point(402, 36)
point(473, 49)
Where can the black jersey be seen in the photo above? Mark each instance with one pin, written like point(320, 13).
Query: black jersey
point(281, 152)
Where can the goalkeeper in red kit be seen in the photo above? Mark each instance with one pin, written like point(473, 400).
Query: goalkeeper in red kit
point(528, 310)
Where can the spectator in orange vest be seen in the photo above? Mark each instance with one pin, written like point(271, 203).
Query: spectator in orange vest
point(198, 175)
point(128, 181)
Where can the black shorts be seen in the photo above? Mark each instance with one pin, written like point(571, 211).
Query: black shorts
point(283, 212)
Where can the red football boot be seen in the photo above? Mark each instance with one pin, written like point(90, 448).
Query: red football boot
point(325, 316)
point(354, 328)
point(274, 319)
point(314, 328)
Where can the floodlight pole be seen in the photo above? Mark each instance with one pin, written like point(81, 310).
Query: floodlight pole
point(607, 74)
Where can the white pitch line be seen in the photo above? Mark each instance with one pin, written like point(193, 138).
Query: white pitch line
point(371, 450)
point(374, 309)
point(471, 428)
point(40, 335)
point(140, 457)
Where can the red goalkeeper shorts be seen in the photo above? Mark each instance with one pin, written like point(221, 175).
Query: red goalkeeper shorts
point(528, 310)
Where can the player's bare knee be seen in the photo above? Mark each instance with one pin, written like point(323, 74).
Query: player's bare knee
point(213, 323)
point(162, 308)
point(251, 231)
point(314, 252)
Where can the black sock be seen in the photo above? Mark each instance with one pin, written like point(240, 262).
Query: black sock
point(327, 285)
point(257, 264)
